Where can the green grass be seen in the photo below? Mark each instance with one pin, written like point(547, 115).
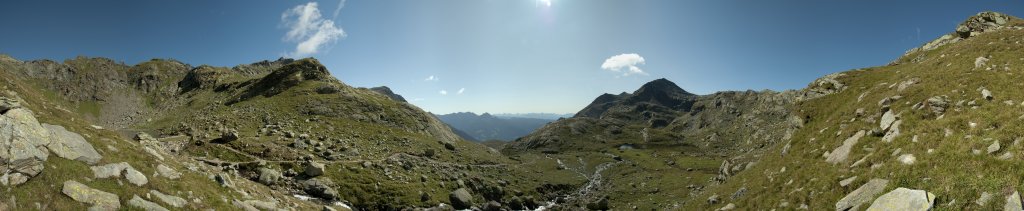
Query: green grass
point(952, 171)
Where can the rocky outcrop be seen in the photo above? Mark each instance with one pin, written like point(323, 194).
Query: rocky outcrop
point(823, 86)
point(23, 144)
point(99, 200)
point(975, 25)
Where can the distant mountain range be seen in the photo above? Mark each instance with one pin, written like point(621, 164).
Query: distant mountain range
point(486, 127)
point(551, 116)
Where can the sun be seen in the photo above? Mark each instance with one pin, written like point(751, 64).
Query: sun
point(546, 3)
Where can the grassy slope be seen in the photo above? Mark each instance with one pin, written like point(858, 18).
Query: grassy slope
point(45, 189)
point(952, 171)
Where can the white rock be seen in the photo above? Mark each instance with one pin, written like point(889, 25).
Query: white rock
point(907, 159)
point(843, 151)
point(994, 147)
point(1013, 202)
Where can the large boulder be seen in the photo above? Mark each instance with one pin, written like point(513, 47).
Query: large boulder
point(904, 199)
point(268, 176)
point(71, 145)
point(320, 187)
point(314, 169)
point(22, 144)
point(862, 195)
point(98, 199)
point(461, 199)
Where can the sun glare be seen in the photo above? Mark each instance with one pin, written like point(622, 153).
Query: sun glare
point(546, 3)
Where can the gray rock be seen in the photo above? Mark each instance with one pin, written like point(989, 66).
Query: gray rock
point(1013, 202)
point(22, 146)
point(986, 94)
point(140, 203)
point(905, 200)
point(109, 170)
point(168, 172)
point(994, 147)
point(714, 199)
point(887, 120)
point(314, 169)
point(173, 201)
point(229, 135)
point(461, 199)
point(842, 152)
point(983, 199)
point(893, 132)
point(135, 177)
point(847, 181)
point(938, 104)
point(320, 187)
point(142, 136)
point(8, 104)
point(223, 179)
point(729, 206)
point(71, 145)
point(269, 176)
point(492, 206)
point(862, 195)
point(98, 199)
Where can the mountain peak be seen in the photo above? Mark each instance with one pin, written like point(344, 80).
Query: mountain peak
point(661, 85)
point(384, 90)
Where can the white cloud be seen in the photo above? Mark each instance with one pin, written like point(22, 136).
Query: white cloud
point(341, 4)
point(461, 90)
point(443, 92)
point(431, 78)
point(624, 61)
point(309, 29)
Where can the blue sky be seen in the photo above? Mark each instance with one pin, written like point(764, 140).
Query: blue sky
point(507, 56)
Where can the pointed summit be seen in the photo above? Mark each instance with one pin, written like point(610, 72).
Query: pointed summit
point(662, 92)
point(661, 85)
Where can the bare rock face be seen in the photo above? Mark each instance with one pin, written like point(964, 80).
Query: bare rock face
point(22, 144)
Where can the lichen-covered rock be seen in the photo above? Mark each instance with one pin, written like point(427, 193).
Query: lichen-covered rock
point(98, 199)
point(22, 145)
